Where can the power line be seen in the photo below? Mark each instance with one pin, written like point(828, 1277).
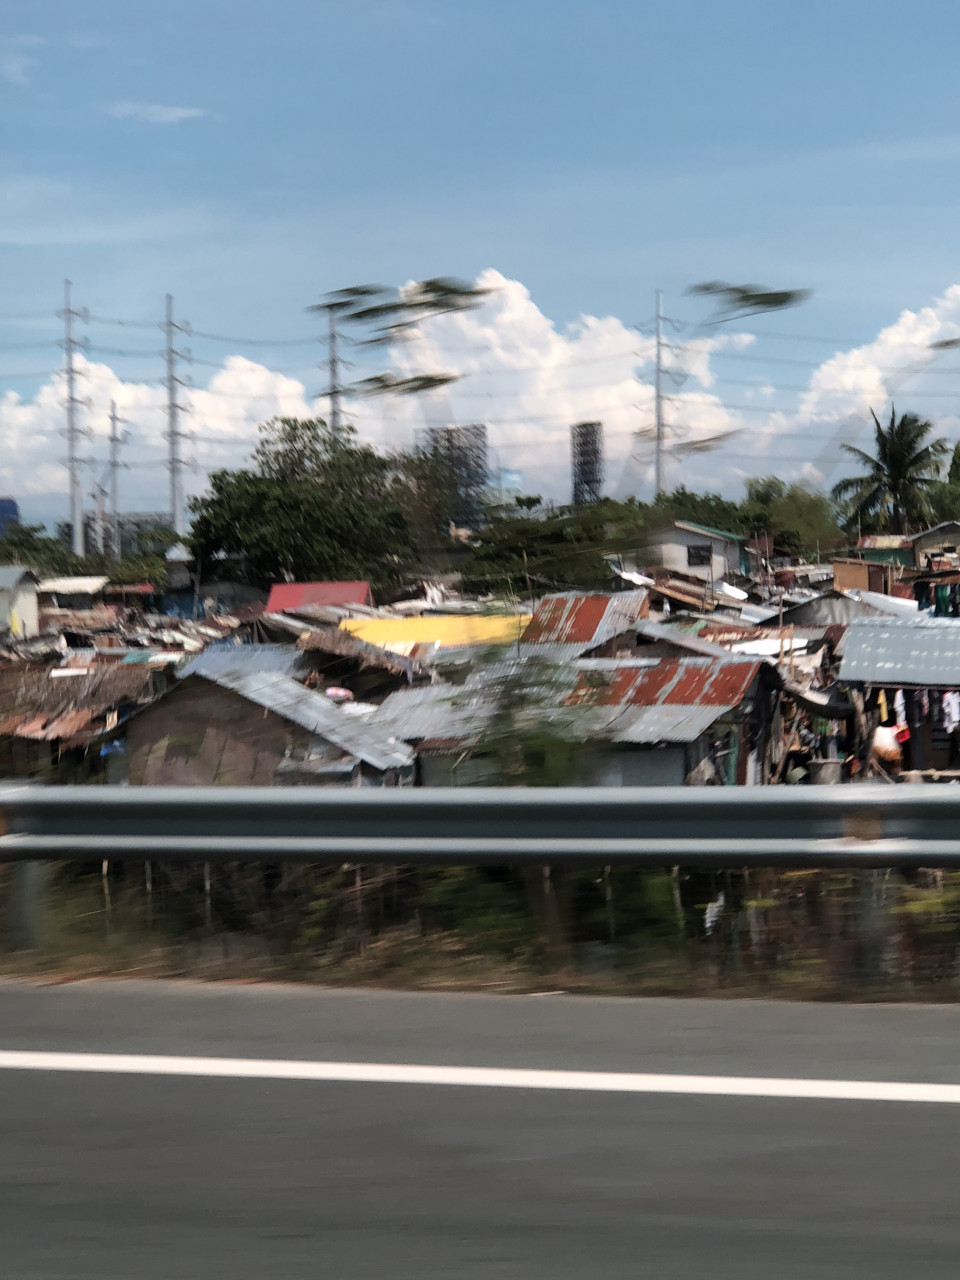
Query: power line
point(256, 342)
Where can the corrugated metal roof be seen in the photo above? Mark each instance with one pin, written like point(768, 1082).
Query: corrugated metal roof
point(682, 639)
point(674, 681)
point(584, 621)
point(673, 700)
point(710, 530)
point(923, 653)
point(291, 595)
point(32, 705)
point(884, 542)
point(72, 586)
point(220, 659)
point(664, 724)
point(12, 574)
point(315, 713)
point(937, 528)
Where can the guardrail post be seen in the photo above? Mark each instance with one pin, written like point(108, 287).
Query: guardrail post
point(27, 916)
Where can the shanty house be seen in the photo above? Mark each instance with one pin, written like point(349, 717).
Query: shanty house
point(71, 593)
point(241, 718)
point(18, 601)
point(907, 671)
point(54, 720)
point(696, 550)
point(639, 721)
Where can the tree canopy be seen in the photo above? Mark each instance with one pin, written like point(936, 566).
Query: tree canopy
point(898, 486)
point(314, 505)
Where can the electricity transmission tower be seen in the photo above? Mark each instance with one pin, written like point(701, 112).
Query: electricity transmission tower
point(175, 462)
point(74, 432)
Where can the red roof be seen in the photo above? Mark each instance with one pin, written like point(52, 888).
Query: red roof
point(673, 681)
point(294, 595)
point(577, 619)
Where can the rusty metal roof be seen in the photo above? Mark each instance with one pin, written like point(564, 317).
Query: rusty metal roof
point(291, 595)
point(584, 621)
point(673, 681)
point(32, 705)
point(671, 700)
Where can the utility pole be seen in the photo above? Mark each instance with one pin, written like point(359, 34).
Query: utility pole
point(658, 401)
point(175, 462)
point(74, 432)
point(334, 363)
point(117, 438)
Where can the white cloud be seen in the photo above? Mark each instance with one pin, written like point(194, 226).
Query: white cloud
point(523, 376)
point(153, 113)
point(219, 425)
point(17, 69)
point(529, 381)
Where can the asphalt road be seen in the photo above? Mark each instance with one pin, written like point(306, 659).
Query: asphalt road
point(118, 1177)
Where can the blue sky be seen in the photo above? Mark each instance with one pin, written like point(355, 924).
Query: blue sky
point(248, 157)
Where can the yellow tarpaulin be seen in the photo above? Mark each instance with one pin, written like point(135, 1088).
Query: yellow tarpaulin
point(450, 632)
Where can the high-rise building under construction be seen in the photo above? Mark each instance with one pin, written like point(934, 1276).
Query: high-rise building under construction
point(586, 462)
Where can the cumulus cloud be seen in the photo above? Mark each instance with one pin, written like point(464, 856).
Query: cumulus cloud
point(219, 425)
point(153, 113)
point(528, 380)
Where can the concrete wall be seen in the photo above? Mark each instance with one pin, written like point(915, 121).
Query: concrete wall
point(668, 549)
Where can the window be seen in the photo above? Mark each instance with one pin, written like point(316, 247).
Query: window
point(698, 557)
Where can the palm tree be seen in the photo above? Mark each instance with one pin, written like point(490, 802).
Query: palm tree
point(899, 481)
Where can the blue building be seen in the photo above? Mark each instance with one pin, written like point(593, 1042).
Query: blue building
point(9, 515)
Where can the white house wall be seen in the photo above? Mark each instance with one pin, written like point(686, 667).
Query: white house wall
point(670, 552)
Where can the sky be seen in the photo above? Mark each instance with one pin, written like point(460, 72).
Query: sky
point(573, 156)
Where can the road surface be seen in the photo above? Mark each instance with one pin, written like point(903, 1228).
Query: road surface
point(119, 1176)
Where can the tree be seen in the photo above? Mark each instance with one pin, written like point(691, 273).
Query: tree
point(801, 522)
point(316, 504)
point(28, 544)
point(901, 478)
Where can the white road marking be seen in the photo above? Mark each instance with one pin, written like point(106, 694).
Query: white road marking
point(480, 1077)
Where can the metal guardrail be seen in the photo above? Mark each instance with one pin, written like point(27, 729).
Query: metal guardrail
point(840, 826)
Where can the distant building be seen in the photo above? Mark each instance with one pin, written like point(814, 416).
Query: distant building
point(9, 516)
point(696, 550)
point(464, 450)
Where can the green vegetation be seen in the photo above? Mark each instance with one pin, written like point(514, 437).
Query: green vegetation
point(28, 545)
point(898, 490)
